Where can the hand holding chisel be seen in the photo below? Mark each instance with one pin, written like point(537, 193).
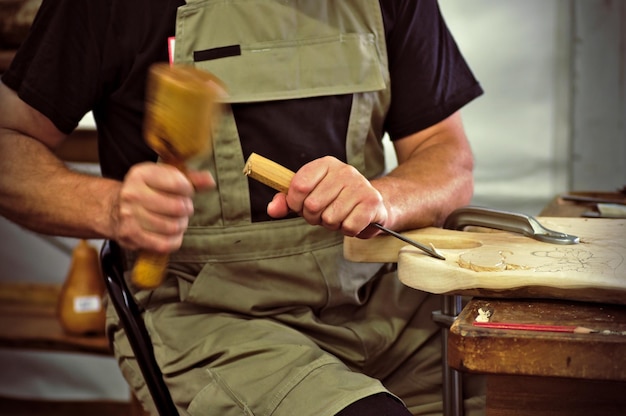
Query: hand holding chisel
point(278, 177)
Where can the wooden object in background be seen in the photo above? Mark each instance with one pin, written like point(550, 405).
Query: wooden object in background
point(80, 307)
point(28, 320)
point(544, 373)
point(581, 203)
point(181, 107)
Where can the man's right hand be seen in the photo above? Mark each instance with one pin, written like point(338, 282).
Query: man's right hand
point(149, 210)
point(154, 206)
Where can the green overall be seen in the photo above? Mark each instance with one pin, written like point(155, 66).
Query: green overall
point(268, 318)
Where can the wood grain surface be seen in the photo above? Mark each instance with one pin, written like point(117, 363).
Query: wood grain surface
point(498, 263)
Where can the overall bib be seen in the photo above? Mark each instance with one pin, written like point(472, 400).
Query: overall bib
point(268, 318)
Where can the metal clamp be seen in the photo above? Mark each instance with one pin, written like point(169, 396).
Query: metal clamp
point(506, 221)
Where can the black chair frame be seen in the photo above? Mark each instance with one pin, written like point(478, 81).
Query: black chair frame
point(131, 319)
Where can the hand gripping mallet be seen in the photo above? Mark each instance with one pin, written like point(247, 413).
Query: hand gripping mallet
point(181, 106)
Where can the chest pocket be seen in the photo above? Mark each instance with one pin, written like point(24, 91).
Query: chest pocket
point(270, 50)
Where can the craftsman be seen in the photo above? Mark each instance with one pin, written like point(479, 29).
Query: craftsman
point(259, 314)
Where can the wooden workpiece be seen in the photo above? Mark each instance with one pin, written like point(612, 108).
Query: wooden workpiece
point(505, 264)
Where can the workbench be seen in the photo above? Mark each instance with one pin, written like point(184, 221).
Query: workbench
point(544, 373)
point(531, 372)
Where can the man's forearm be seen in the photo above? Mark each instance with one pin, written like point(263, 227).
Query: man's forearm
point(38, 192)
point(434, 176)
point(426, 194)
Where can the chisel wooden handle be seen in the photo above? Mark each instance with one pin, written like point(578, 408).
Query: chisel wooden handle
point(181, 107)
point(268, 172)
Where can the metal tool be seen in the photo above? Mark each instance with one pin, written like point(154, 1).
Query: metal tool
point(430, 250)
point(506, 221)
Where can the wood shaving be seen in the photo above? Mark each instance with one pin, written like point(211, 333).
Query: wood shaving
point(483, 315)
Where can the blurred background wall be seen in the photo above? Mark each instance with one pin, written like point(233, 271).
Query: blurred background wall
point(551, 120)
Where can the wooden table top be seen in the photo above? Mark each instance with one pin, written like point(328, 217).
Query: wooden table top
point(595, 356)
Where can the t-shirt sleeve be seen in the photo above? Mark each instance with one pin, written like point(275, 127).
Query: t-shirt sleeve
point(56, 69)
point(430, 79)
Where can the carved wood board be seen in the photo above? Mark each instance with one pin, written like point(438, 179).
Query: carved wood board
point(505, 264)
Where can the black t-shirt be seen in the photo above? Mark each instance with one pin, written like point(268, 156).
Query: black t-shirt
point(93, 55)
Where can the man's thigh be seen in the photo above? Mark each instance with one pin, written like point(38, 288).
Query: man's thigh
point(227, 365)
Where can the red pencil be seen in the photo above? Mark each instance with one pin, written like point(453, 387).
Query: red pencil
point(536, 327)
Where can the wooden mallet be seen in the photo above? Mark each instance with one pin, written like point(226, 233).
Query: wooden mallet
point(182, 103)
